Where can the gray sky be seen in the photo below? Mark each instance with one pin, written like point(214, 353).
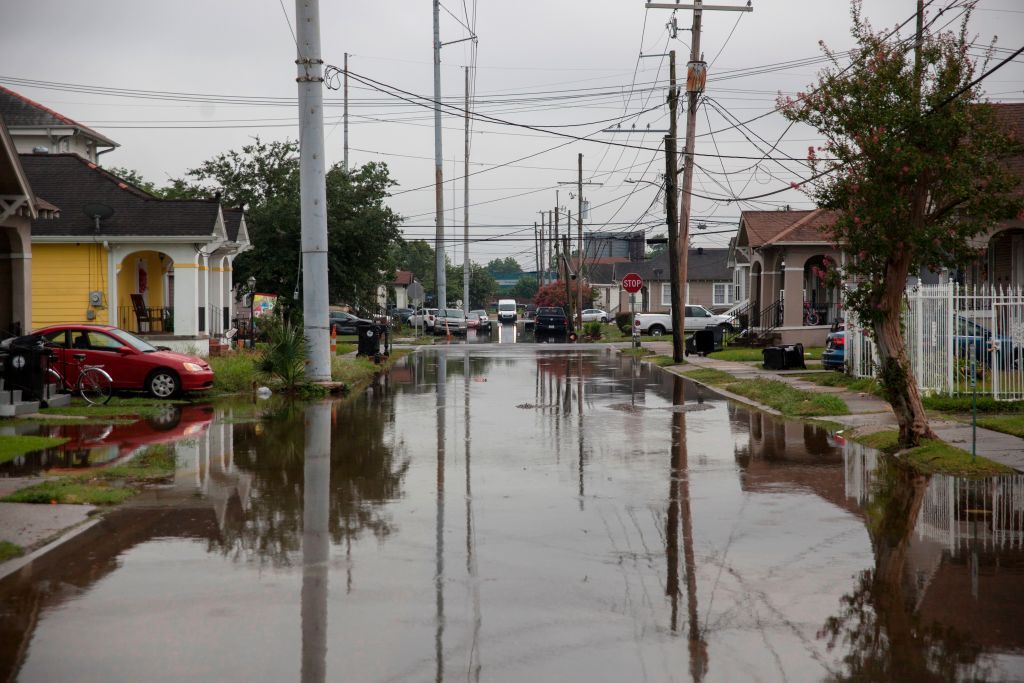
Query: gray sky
point(563, 63)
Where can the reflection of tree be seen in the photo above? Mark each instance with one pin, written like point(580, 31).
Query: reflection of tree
point(885, 639)
point(365, 473)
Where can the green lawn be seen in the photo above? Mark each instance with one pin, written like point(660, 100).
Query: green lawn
point(1010, 424)
point(788, 400)
point(10, 550)
point(71, 490)
point(710, 376)
point(933, 457)
point(117, 407)
point(745, 355)
point(13, 446)
point(839, 379)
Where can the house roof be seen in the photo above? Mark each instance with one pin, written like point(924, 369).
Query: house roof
point(21, 112)
point(71, 182)
point(600, 273)
point(701, 264)
point(764, 228)
point(232, 222)
point(402, 277)
point(14, 181)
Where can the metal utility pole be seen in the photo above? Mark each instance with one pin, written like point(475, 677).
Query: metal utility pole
point(542, 275)
point(465, 209)
point(696, 75)
point(312, 190)
point(345, 116)
point(440, 275)
point(553, 256)
point(579, 251)
point(536, 250)
point(677, 287)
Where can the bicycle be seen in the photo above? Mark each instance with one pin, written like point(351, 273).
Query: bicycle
point(93, 384)
point(810, 315)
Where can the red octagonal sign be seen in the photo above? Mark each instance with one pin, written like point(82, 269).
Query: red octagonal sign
point(632, 283)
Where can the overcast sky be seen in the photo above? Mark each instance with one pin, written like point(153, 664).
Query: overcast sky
point(566, 65)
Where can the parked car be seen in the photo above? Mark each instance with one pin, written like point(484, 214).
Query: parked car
point(551, 320)
point(591, 315)
point(696, 318)
point(133, 364)
point(530, 315)
point(834, 356)
point(479, 320)
point(968, 334)
point(346, 323)
point(450, 321)
point(423, 317)
point(402, 314)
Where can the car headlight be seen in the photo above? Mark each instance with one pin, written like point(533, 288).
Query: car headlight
point(192, 367)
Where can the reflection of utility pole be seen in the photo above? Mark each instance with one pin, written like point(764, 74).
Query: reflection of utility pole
point(471, 565)
point(316, 496)
point(579, 425)
point(442, 379)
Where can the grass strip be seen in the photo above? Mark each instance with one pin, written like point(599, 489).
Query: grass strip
point(357, 370)
point(839, 379)
point(788, 400)
point(8, 551)
point(962, 404)
point(663, 360)
point(746, 355)
point(710, 376)
point(118, 406)
point(13, 446)
point(71, 490)
point(1008, 424)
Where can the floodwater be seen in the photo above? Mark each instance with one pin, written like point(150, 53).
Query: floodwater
point(523, 513)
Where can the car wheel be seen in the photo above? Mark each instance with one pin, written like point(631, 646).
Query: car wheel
point(656, 330)
point(163, 383)
point(604, 319)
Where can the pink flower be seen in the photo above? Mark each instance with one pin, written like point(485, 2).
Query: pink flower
point(906, 169)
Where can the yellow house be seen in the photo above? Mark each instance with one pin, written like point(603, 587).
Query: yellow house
point(120, 256)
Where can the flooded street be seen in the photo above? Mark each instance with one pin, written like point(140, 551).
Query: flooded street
point(520, 513)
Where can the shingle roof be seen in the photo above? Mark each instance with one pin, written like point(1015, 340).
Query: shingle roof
point(21, 112)
point(71, 182)
point(701, 264)
point(776, 227)
point(232, 222)
point(402, 277)
point(600, 273)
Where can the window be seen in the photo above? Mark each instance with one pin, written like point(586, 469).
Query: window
point(57, 338)
point(666, 293)
point(103, 342)
point(723, 294)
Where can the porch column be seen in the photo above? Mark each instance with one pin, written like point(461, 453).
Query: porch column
point(213, 296)
point(793, 282)
point(228, 292)
point(186, 298)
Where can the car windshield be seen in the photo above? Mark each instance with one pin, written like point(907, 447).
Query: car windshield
point(547, 310)
point(478, 313)
point(454, 313)
point(135, 342)
point(506, 307)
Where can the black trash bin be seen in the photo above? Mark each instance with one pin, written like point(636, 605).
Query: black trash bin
point(25, 367)
point(794, 356)
point(774, 358)
point(371, 336)
point(704, 341)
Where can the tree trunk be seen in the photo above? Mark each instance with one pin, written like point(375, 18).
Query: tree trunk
point(898, 382)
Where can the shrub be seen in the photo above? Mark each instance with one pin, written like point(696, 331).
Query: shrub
point(285, 355)
point(592, 330)
point(235, 372)
point(624, 321)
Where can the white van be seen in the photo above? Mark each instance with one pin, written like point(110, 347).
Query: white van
point(506, 310)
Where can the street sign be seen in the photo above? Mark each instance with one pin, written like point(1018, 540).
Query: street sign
point(416, 293)
point(632, 283)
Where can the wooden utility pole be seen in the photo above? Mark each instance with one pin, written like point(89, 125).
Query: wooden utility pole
point(544, 263)
point(678, 291)
point(536, 250)
point(696, 74)
point(441, 283)
point(553, 228)
point(579, 252)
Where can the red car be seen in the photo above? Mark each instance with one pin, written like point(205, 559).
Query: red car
point(133, 364)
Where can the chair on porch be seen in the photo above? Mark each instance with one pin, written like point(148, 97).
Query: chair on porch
point(142, 313)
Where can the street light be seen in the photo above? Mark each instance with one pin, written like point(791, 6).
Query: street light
point(252, 317)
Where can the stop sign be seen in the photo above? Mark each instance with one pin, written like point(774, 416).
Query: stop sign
point(632, 283)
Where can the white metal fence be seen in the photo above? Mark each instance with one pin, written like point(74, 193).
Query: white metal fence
point(955, 336)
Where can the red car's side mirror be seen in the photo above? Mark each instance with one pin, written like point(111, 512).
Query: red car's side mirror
point(123, 350)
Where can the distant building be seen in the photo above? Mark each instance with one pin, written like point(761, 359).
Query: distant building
point(599, 245)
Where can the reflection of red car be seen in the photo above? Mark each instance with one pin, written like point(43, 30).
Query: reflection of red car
point(133, 364)
point(93, 445)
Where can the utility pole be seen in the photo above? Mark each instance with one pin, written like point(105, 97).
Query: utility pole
point(536, 250)
point(579, 243)
point(568, 292)
point(553, 257)
point(345, 116)
point(312, 190)
point(440, 275)
point(696, 76)
point(542, 276)
point(465, 209)
point(678, 291)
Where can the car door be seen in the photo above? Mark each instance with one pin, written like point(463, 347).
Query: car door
point(57, 342)
point(105, 352)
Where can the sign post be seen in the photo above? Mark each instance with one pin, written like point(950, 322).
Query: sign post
point(633, 283)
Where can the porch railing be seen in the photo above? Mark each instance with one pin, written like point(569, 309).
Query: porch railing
point(161, 320)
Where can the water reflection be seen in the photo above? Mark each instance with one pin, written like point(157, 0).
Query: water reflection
point(616, 524)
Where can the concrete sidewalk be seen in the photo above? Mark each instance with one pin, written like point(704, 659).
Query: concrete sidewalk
point(867, 410)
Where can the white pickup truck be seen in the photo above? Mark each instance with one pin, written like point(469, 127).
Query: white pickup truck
point(697, 318)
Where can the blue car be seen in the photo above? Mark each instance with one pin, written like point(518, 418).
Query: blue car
point(971, 335)
point(834, 357)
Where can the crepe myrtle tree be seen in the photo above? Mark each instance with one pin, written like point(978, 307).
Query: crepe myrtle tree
point(913, 165)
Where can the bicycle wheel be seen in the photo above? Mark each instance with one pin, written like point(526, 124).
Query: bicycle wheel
point(95, 386)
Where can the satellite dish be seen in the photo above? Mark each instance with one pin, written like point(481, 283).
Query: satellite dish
point(97, 211)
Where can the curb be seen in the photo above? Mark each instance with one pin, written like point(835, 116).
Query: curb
point(17, 564)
